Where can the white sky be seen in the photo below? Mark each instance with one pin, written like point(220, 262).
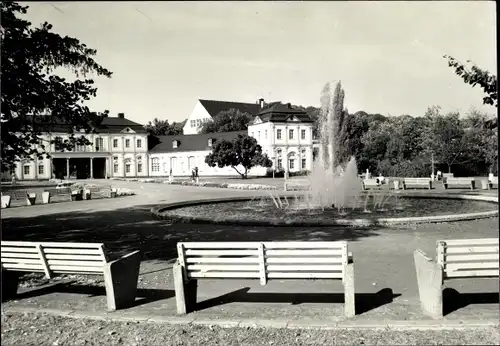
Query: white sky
point(388, 55)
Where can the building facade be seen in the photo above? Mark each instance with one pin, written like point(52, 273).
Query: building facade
point(118, 149)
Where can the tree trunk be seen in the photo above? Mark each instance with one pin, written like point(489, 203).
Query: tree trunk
point(449, 168)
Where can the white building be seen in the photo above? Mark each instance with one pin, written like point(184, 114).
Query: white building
point(119, 149)
point(206, 110)
point(284, 133)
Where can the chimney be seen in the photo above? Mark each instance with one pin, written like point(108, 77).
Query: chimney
point(121, 115)
point(261, 103)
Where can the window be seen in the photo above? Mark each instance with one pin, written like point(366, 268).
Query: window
point(265, 134)
point(302, 134)
point(193, 123)
point(40, 169)
point(115, 143)
point(27, 170)
point(80, 148)
point(127, 143)
point(278, 134)
point(139, 143)
point(303, 163)
point(290, 134)
point(155, 164)
point(139, 168)
point(198, 122)
point(291, 163)
point(127, 168)
point(115, 168)
point(280, 164)
point(99, 144)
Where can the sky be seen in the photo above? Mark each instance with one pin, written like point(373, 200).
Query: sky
point(388, 55)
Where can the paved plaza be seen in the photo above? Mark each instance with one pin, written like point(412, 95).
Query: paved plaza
point(386, 287)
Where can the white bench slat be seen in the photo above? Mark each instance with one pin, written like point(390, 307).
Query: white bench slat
point(220, 245)
point(76, 263)
point(471, 242)
point(52, 244)
point(215, 267)
point(303, 245)
point(291, 275)
point(249, 275)
point(56, 268)
point(21, 260)
point(72, 251)
point(291, 260)
point(19, 249)
point(19, 255)
point(97, 258)
point(337, 252)
point(222, 260)
point(473, 273)
point(38, 266)
point(278, 267)
point(189, 252)
point(472, 249)
point(479, 265)
point(471, 257)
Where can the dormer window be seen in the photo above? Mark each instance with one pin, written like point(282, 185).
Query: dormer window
point(175, 143)
point(210, 142)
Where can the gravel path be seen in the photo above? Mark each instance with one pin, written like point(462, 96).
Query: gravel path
point(29, 329)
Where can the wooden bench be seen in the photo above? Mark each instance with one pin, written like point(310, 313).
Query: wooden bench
point(64, 193)
point(120, 276)
point(417, 183)
point(492, 181)
point(261, 260)
point(22, 195)
point(464, 258)
point(99, 191)
point(297, 185)
point(459, 182)
point(371, 183)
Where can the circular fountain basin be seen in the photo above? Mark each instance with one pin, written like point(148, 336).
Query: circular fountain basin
point(262, 211)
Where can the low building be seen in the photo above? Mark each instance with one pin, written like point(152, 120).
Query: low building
point(118, 149)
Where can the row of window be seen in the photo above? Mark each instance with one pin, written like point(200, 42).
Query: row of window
point(128, 168)
point(278, 134)
point(99, 144)
point(291, 164)
point(198, 122)
point(27, 170)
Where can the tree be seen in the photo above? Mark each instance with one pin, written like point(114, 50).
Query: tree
point(35, 99)
point(242, 151)
point(162, 128)
point(477, 76)
point(227, 121)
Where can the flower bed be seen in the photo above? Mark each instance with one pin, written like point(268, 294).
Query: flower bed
point(202, 184)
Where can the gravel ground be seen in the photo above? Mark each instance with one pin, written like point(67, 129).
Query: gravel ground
point(30, 329)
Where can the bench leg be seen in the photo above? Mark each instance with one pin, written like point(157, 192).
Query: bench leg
point(349, 304)
point(430, 284)
point(10, 281)
point(185, 292)
point(120, 278)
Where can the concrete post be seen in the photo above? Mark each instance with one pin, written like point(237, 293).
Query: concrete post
point(430, 284)
point(91, 168)
point(67, 168)
point(349, 291)
point(185, 291)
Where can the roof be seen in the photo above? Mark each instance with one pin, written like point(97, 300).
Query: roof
point(191, 142)
point(108, 125)
point(284, 113)
point(215, 107)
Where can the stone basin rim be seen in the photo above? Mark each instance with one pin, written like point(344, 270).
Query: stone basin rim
point(159, 210)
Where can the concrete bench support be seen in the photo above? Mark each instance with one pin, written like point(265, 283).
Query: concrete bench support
point(185, 291)
point(430, 284)
point(349, 289)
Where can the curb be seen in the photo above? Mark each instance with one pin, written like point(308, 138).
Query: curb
point(395, 325)
point(158, 212)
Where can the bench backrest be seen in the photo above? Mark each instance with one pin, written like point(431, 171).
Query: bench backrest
point(60, 191)
point(19, 194)
point(494, 180)
point(416, 180)
point(468, 257)
point(264, 260)
point(371, 181)
point(53, 258)
point(459, 180)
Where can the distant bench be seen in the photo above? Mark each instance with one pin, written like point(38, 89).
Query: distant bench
point(492, 181)
point(297, 184)
point(449, 183)
point(120, 276)
point(464, 258)
point(417, 183)
point(371, 183)
point(100, 191)
point(264, 261)
point(64, 193)
point(22, 195)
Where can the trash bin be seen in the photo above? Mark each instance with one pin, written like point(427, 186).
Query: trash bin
point(31, 198)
